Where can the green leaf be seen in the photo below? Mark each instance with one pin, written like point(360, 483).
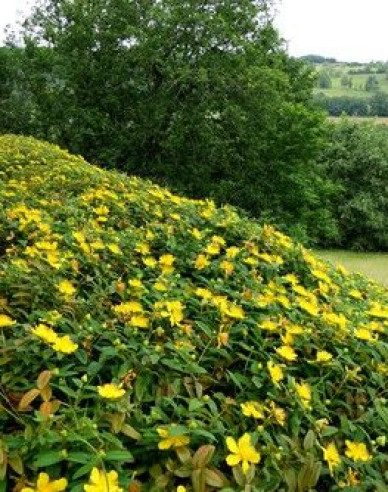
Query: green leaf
point(124, 456)
point(48, 458)
point(195, 404)
point(79, 457)
point(3, 485)
point(85, 469)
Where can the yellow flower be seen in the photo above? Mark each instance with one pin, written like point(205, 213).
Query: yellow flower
point(213, 249)
point(66, 288)
point(234, 311)
point(65, 345)
point(323, 356)
point(143, 248)
point(242, 452)
point(136, 283)
point(291, 278)
point(357, 451)
point(196, 233)
point(364, 334)
point(181, 488)
point(331, 456)
point(227, 267)
point(6, 321)
point(45, 333)
point(304, 393)
point(204, 293)
point(276, 372)
point(160, 286)
point(139, 321)
point(252, 409)
point(150, 262)
point(356, 294)
point(201, 262)
point(170, 440)
point(101, 210)
point(100, 481)
point(336, 319)
point(378, 311)
point(382, 368)
point(287, 352)
point(166, 263)
point(127, 309)
point(269, 325)
point(110, 391)
point(232, 252)
point(173, 311)
point(309, 306)
point(43, 484)
point(114, 248)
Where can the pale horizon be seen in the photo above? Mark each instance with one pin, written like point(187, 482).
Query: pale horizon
point(341, 29)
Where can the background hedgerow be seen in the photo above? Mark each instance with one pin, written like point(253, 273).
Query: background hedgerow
point(356, 162)
point(152, 342)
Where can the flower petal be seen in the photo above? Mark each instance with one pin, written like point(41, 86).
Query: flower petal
point(233, 459)
point(232, 445)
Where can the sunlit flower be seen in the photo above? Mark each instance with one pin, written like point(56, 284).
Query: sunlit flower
point(6, 321)
point(287, 353)
point(331, 456)
point(252, 409)
point(357, 451)
point(364, 334)
point(166, 263)
point(44, 484)
point(110, 391)
point(171, 438)
point(242, 452)
point(304, 392)
point(66, 288)
point(65, 345)
point(100, 481)
point(308, 306)
point(201, 262)
point(227, 267)
point(323, 356)
point(276, 372)
point(45, 332)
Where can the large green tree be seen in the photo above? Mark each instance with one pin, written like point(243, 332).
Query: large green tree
point(198, 94)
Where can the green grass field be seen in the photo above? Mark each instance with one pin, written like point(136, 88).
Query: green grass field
point(373, 265)
point(361, 119)
point(337, 71)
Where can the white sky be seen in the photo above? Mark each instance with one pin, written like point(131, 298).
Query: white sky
point(11, 12)
point(349, 30)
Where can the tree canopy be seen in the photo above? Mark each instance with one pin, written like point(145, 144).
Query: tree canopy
point(199, 95)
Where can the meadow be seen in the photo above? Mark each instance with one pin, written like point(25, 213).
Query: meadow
point(373, 265)
point(337, 71)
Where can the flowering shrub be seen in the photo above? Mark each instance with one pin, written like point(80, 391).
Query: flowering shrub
point(150, 342)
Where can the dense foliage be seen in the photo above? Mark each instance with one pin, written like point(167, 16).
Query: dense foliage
point(375, 105)
point(197, 95)
point(152, 342)
point(356, 162)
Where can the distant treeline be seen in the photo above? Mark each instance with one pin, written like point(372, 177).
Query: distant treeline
point(375, 105)
point(358, 68)
point(317, 59)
